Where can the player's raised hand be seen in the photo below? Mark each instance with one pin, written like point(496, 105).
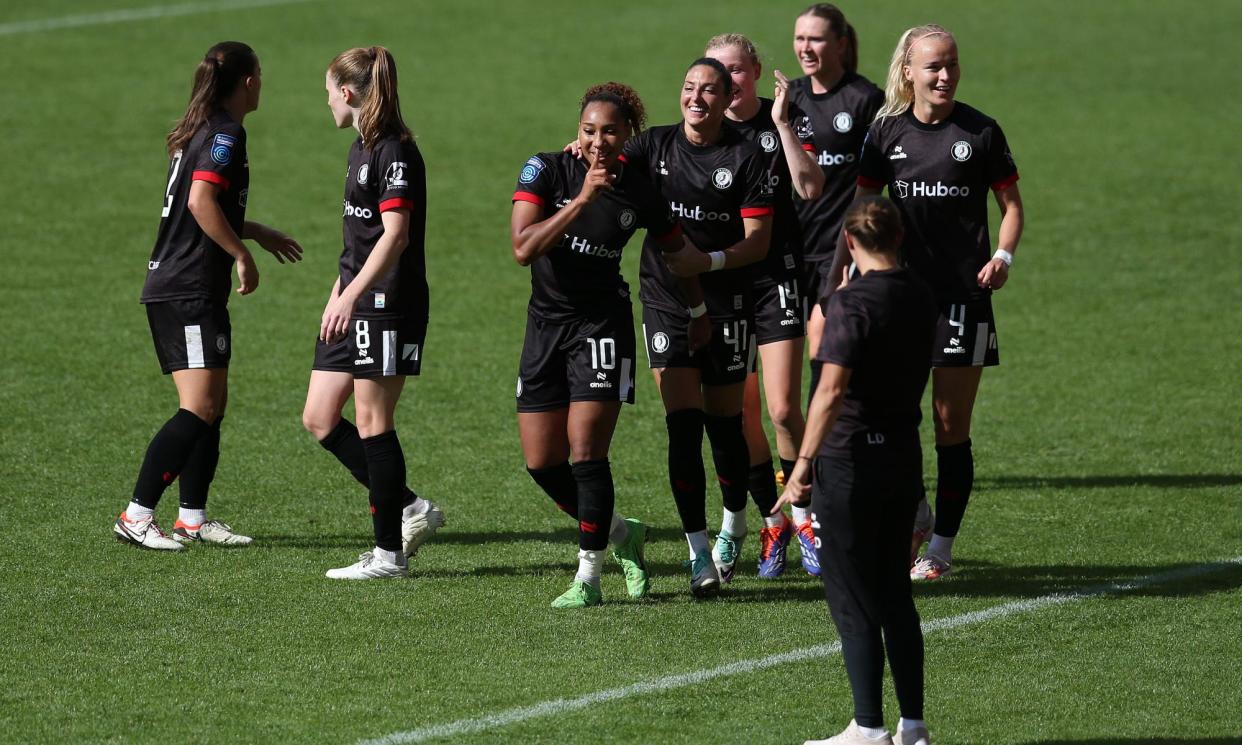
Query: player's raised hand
point(247, 274)
point(780, 99)
point(574, 149)
point(993, 275)
point(597, 180)
point(279, 245)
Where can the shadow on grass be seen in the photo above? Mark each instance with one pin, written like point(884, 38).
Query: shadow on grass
point(984, 579)
point(1163, 480)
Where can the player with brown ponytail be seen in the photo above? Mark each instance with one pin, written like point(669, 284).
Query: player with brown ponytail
point(202, 225)
point(372, 331)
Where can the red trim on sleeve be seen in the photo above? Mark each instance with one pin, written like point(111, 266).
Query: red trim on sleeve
point(756, 211)
point(1005, 183)
point(671, 233)
point(396, 203)
point(621, 157)
point(810, 148)
point(526, 196)
point(870, 183)
point(210, 177)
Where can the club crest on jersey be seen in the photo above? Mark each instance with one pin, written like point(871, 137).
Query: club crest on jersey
point(961, 151)
point(767, 141)
point(531, 170)
point(659, 342)
point(222, 149)
point(395, 175)
point(722, 178)
point(843, 122)
point(364, 172)
point(627, 218)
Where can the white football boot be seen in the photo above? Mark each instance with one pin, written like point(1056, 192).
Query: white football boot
point(912, 736)
point(143, 533)
point(210, 531)
point(851, 735)
point(418, 527)
point(368, 566)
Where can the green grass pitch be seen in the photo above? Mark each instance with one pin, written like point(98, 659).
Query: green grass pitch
point(1107, 443)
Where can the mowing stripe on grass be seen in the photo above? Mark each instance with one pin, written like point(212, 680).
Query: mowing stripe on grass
point(563, 705)
point(133, 14)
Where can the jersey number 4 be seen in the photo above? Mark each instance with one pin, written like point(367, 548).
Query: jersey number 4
point(172, 180)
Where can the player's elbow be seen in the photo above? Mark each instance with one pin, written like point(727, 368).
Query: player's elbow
point(811, 190)
point(522, 255)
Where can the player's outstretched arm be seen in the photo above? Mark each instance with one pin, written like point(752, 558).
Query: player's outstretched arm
point(273, 241)
point(821, 415)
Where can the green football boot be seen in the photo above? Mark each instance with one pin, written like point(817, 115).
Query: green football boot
point(630, 556)
point(579, 595)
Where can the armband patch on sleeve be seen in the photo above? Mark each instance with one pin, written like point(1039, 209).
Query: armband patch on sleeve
point(222, 148)
point(532, 169)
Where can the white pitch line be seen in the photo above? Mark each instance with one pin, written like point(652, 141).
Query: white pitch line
point(134, 14)
point(563, 705)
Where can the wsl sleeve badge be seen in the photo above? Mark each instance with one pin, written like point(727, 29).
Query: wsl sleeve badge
point(531, 171)
point(222, 149)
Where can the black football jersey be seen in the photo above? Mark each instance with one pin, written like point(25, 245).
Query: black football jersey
point(581, 275)
point(939, 176)
point(185, 263)
point(836, 123)
point(709, 190)
point(389, 176)
point(784, 257)
point(881, 326)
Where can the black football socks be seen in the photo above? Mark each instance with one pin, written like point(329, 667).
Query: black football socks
point(685, 468)
point(345, 443)
point(386, 477)
point(200, 469)
point(596, 501)
point(955, 465)
point(732, 459)
point(167, 455)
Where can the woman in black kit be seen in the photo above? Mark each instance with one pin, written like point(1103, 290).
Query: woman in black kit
point(939, 158)
point(780, 305)
point(186, 294)
point(715, 182)
point(571, 220)
point(837, 104)
point(372, 331)
point(862, 448)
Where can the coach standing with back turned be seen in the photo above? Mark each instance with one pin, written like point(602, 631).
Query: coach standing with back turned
point(876, 354)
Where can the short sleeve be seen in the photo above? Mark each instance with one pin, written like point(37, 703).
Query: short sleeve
point(223, 156)
point(803, 127)
point(637, 152)
point(654, 212)
point(756, 189)
point(873, 168)
point(1002, 171)
point(845, 331)
point(397, 186)
point(535, 182)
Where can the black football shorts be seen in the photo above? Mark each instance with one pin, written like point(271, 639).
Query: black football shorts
point(780, 312)
point(375, 348)
point(966, 335)
point(191, 334)
point(586, 359)
point(728, 358)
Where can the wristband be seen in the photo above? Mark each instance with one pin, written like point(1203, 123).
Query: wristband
point(1004, 256)
point(698, 311)
point(718, 260)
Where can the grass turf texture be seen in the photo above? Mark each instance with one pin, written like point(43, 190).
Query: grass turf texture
point(1107, 443)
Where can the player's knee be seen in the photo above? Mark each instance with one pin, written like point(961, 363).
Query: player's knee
point(317, 424)
point(783, 415)
point(204, 408)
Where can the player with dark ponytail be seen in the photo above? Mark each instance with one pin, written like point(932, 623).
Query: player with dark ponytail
point(373, 328)
point(202, 225)
point(572, 217)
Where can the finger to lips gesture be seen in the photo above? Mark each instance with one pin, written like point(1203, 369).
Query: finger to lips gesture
point(597, 180)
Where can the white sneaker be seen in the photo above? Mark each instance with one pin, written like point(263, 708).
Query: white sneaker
point(851, 735)
point(210, 531)
point(930, 568)
point(143, 533)
point(369, 566)
point(416, 529)
point(912, 736)
point(725, 555)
